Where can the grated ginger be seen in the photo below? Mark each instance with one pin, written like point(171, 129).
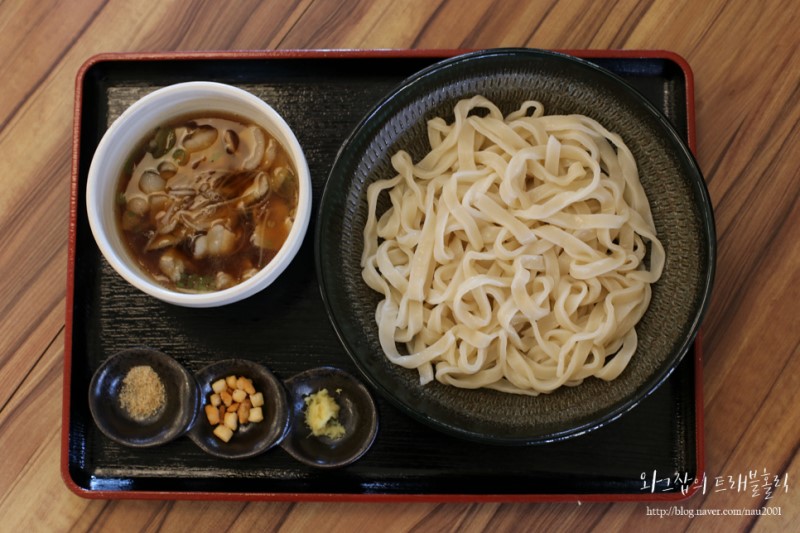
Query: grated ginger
point(322, 412)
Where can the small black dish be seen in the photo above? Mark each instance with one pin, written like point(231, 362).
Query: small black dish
point(249, 439)
point(169, 422)
point(357, 414)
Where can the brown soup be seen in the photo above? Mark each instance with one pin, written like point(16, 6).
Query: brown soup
point(206, 202)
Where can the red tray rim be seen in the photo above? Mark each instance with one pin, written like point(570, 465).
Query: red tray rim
point(73, 486)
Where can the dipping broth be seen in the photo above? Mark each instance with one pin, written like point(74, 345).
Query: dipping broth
point(205, 203)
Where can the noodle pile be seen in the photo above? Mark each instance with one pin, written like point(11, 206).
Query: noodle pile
point(511, 256)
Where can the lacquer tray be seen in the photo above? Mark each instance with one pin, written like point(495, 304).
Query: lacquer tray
point(653, 452)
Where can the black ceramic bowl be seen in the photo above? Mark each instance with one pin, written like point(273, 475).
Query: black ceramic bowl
point(564, 84)
point(166, 424)
point(357, 414)
point(250, 439)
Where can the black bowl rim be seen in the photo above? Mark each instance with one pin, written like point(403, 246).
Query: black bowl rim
point(699, 188)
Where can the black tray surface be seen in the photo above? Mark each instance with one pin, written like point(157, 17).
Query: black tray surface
point(286, 328)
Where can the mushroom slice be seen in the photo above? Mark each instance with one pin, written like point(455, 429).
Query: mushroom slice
point(271, 153)
point(159, 242)
point(231, 140)
point(167, 169)
point(259, 146)
point(200, 139)
point(283, 181)
point(257, 189)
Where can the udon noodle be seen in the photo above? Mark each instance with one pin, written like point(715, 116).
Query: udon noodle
point(517, 255)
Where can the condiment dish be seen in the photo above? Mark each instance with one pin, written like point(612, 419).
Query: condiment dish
point(252, 438)
point(357, 414)
point(177, 405)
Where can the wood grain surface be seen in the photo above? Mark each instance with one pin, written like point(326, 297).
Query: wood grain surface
point(747, 90)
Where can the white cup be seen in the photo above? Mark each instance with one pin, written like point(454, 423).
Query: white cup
point(139, 121)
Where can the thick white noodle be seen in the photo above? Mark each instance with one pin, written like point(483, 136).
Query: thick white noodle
point(511, 256)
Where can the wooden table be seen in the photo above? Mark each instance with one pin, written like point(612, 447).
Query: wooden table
point(744, 58)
